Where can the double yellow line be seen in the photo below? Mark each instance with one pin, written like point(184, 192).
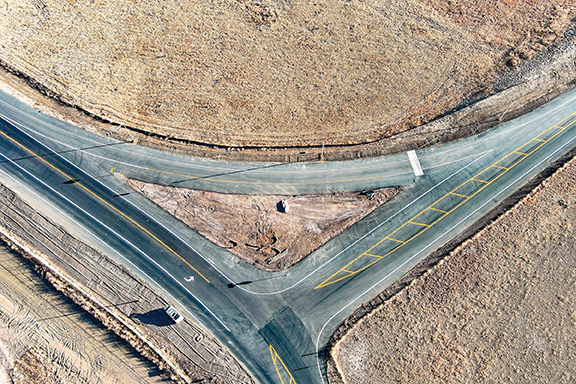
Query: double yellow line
point(103, 201)
point(281, 368)
point(445, 205)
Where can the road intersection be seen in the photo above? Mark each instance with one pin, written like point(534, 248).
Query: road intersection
point(278, 325)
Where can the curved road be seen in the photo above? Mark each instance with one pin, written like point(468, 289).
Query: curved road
point(277, 325)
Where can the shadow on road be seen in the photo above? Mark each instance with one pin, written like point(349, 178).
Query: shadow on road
point(156, 317)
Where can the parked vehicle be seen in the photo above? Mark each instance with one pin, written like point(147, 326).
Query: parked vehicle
point(173, 314)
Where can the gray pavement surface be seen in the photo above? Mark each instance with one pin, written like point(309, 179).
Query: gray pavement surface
point(278, 324)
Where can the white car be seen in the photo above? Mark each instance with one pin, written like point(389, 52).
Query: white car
point(173, 314)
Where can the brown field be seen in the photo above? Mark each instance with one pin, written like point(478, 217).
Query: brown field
point(274, 72)
point(500, 308)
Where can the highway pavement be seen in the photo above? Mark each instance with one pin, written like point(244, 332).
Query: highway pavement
point(278, 324)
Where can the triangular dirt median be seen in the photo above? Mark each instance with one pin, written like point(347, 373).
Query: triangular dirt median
point(271, 232)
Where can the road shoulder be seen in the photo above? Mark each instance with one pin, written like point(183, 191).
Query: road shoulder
point(121, 301)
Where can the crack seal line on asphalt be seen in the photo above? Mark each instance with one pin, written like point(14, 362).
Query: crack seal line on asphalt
point(105, 202)
point(17, 125)
point(210, 178)
point(234, 181)
point(428, 246)
point(146, 168)
point(263, 182)
point(172, 162)
point(483, 154)
point(411, 229)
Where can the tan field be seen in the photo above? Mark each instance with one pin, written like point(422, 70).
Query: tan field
point(274, 73)
point(501, 308)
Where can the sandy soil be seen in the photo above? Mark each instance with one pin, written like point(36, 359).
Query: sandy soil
point(274, 72)
point(47, 339)
point(498, 309)
point(270, 232)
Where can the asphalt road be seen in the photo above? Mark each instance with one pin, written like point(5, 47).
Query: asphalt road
point(277, 325)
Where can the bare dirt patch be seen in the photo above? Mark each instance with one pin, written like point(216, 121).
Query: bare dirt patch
point(47, 339)
point(499, 308)
point(271, 232)
point(274, 73)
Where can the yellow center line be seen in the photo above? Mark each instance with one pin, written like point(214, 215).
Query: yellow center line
point(415, 223)
point(275, 359)
point(263, 182)
point(334, 278)
point(41, 158)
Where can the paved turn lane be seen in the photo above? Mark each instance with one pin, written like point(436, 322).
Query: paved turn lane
point(278, 325)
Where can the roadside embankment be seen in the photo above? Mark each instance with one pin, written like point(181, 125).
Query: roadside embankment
point(499, 308)
point(122, 302)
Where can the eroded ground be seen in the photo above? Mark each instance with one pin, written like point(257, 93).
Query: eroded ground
point(501, 308)
point(271, 232)
point(274, 72)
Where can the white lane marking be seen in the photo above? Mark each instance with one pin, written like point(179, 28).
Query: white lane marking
point(328, 261)
point(366, 234)
point(213, 168)
point(415, 163)
point(176, 162)
point(111, 230)
point(428, 246)
point(212, 263)
point(30, 131)
point(114, 192)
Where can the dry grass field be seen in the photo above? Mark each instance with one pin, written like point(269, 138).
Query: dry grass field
point(500, 308)
point(274, 72)
point(255, 229)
